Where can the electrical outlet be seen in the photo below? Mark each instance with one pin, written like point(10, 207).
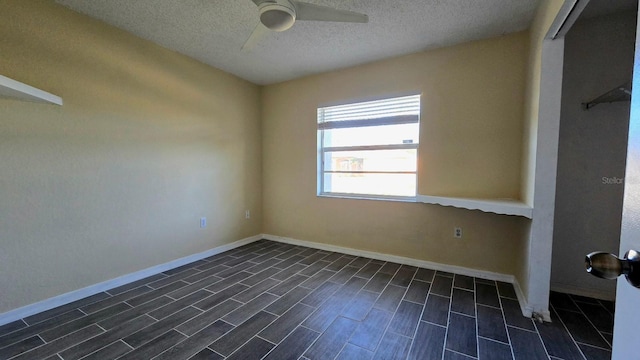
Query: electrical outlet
point(457, 232)
point(247, 214)
point(203, 222)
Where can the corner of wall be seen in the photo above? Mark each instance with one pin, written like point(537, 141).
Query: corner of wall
point(544, 17)
point(530, 287)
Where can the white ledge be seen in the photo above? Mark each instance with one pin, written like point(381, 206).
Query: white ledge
point(13, 89)
point(496, 206)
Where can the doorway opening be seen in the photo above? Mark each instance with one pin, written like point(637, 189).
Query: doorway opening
point(592, 149)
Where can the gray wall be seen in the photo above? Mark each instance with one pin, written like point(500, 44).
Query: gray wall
point(598, 57)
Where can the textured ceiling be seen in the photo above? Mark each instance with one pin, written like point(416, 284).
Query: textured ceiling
point(213, 31)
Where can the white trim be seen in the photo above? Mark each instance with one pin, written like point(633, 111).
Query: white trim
point(63, 299)
point(381, 121)
point(411, 199)
point(391, 95)
point(488, 275)
point(410, 146)
point(497, 206)
point(567, 16)
point(541, 235)
point(526, 309)
point(66, 298)
point(10, 88)
point(559, 22)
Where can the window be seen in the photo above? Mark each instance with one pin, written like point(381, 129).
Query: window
point(369, 149)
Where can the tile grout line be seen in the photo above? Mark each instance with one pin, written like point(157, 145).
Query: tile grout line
point(267, 340)
point(430, 323)
point(506, 326)
point(276, 316)
point(462, 354)
point(465, 315)
point(372, 304)
point(386, 328)
point(552, 308)
point(475, 308)
point(61, 337)
point(446, 333)
point(593, 346)
point(522, 329)
point(544, 346)
point(97, 350)
point(359, 290)
point(264, 248)
point(424, 307)
point(44, 330)
point(289, 334)
point(590, 322)
point(344, 345)
point(154, 323)
point(494, 340)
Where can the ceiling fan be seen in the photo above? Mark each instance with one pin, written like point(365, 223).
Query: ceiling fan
point(280, 15)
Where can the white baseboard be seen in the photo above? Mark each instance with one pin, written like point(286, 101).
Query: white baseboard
point(592, 293)
point(527, 310)
point(66, 298)
point(488, 275)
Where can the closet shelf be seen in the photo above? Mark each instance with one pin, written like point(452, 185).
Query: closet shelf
point(620, 93)
point(13, 89)
point(496, 206)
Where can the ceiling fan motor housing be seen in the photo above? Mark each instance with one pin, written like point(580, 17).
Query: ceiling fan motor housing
point(277, 17)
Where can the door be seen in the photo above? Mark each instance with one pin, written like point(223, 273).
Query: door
point(625, 333)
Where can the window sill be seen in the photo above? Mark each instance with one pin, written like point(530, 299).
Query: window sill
point(496, 206)
point(365, 197)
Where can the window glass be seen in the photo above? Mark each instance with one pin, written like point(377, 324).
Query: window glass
point(403, 160)
point(369, 149)
point(372, 135)
point(371, 184)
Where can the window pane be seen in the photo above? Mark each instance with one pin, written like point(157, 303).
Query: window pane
point(371, 160)
point(371, 184)
point(377, 143)
point(372, 135)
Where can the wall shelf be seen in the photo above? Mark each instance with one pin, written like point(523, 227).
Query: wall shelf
point(13, 89)
point(496, 206)
point(620, 93)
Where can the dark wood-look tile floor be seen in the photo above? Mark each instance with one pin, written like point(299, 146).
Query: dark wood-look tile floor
point(269, 300)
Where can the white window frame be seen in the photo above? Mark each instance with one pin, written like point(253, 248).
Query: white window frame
point(378, 121)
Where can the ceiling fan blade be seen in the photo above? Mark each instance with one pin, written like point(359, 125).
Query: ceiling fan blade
point(259, 32)
point(258, 2)
point(306, 11)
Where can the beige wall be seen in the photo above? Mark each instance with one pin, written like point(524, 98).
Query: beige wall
point(148, 141)
point(471, 145)
point(545, 14)
point(115, 181)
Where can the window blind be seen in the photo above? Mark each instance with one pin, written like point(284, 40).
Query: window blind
point(400, 110)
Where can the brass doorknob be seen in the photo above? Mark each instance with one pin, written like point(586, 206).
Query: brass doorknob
point(608, 266)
